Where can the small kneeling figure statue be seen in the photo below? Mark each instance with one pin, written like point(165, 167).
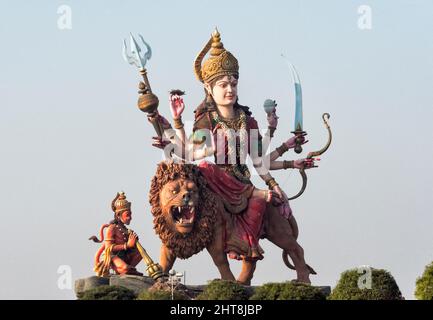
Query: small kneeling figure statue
point(119, 247)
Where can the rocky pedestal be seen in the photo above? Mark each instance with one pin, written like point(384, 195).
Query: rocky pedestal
point(134, 283)
point(138, 284)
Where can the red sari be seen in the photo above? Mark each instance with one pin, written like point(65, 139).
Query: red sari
point(245, 211)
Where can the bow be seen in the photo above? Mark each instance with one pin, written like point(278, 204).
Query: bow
point(312, 154)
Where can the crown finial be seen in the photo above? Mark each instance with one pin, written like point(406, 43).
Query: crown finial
point(217, 45)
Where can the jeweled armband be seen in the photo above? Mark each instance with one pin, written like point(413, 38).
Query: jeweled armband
point(288, 164)
point(271, 183)
point(282, 149)
point(178, 124)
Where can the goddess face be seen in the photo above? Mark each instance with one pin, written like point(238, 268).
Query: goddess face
point(224, 91)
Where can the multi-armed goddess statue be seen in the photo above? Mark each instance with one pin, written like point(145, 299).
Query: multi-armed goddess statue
point(198, 203)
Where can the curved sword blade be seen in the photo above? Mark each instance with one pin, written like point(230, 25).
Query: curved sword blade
point(298, 96)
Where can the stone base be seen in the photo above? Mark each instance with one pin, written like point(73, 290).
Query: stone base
point(134, 283)
point(139, 283)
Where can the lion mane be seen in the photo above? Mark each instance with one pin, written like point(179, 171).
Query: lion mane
point(183, 246)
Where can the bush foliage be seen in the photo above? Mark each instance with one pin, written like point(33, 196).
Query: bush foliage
point(161, 295)
point(287, 291)
point(383, 286)
point(424, 284)
point(223, 290)
point(107, 292)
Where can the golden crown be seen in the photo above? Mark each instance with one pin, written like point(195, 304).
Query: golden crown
point(120, 203)
point(220, 63)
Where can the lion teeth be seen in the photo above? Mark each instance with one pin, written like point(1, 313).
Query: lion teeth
point(179, 209)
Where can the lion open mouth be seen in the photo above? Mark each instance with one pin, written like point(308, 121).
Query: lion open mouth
point(183, 215)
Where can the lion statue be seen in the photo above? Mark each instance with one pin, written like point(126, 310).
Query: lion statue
point(189, 217)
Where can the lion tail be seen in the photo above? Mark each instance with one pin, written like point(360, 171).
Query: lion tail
point(287, 261)
point(291, 266)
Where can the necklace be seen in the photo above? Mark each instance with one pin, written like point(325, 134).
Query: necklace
point(233, 122)
point(123, 230)
point(229, 126)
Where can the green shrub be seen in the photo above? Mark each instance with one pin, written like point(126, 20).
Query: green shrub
point(107, 292)
point(383, 287)
point(161, 295)
point(287, 291)
point(223, 290)
point(424, 284)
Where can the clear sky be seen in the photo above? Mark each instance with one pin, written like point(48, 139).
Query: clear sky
point(71, 135)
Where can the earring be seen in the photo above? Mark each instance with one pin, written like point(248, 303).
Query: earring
point(209, 99)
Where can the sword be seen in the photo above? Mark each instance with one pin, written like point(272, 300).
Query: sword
point(299, 127)
point(298, 106)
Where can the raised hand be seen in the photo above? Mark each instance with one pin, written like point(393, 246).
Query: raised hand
point(159, 142)
point(273, 197)
point(291, 143)
point(176, 105)
point(305, 163)
point(132, 240)
point(272, 119)
point(285, 209)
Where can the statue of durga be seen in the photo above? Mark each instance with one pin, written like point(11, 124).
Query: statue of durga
point(227, 130)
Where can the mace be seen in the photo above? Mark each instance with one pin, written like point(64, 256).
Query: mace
point(153, 269)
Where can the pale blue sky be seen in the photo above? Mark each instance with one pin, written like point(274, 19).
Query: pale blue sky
point(71, 135)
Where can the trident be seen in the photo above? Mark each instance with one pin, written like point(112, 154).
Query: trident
point(147, 101)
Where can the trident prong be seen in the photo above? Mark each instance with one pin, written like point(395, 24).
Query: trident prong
point(135, 57)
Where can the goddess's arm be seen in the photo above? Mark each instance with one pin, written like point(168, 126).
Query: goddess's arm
point(201, 142)
point(177, 106)
point(256, 154)
point(174, 139)
point(185, 148)
point(272, 119)
point(197, 146)
point(189, 149)
point(285, 146)
point(293, 164)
